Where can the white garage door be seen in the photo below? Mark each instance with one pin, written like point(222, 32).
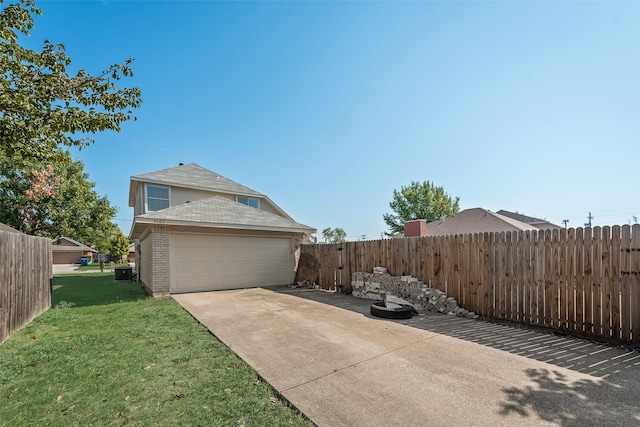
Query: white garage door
point(211, 262)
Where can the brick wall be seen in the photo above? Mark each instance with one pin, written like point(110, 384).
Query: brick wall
point(155, 270)
point(160, 262)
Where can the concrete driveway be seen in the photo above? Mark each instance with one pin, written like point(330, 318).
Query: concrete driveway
point(339, 366)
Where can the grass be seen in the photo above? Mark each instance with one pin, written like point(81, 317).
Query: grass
point(95, 266)
point(108, 355)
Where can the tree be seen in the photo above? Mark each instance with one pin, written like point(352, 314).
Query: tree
point(419, 201)
point(55, 200)
point(119, 244)
point(42, 107)
point(336, 235)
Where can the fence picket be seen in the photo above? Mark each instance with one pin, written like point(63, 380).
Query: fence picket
point(527, 276)
point(616, 278)
point(571, 280)
point(596, 284)
point(490, 288)
point(625, 285)
point(607, 292)
point(580, 277)
point(562, 280)
point(539, 275)
point(635, 284)
point(588, 282)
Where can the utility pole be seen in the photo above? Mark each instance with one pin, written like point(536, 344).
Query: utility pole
point(590, 217)
point(565, 222)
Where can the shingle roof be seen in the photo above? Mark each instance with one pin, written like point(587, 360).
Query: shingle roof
point(75, 246)
point(536, 222)
point(192, 176)
point(476, 220)
point(217, 211)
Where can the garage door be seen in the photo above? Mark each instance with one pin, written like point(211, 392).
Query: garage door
point(205, 262)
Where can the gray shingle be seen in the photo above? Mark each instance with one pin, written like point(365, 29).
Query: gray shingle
point(223, 212)
point(195, 176)
point(476, 220)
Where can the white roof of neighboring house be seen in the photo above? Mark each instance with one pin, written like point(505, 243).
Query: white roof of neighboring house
point(475, 220)
point(220, 212)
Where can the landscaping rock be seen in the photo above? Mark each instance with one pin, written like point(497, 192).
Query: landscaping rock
point(406, 290)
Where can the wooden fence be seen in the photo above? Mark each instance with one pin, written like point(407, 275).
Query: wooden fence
point(582, 281)
point(25, 274)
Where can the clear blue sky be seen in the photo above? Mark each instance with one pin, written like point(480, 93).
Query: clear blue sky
point(327, 107)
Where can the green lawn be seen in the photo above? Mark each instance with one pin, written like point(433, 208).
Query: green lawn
point(108, 355)
point(95, 266)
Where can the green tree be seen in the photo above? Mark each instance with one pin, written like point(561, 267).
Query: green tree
point(119, 244)
point(335, 235)
point(55, 200)
point(419, 201)
point(42, 107)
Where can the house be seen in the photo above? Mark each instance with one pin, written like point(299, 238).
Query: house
point(538, 223)
point(68, 251)
point(475, 220)
point(196, 230)
point(131, 256)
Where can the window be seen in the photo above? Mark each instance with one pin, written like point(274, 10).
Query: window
point(157, 197)
point(249, 201)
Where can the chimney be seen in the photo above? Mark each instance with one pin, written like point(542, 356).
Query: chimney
point(417, 228)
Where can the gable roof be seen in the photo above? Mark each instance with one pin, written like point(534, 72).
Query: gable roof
point(70, 246)
point(190, 176)
point(219, 212)
point(475, 220)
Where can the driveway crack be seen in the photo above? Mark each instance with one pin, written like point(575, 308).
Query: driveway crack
point(353, 365)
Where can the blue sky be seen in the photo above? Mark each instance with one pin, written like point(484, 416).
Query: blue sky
point(327, 107)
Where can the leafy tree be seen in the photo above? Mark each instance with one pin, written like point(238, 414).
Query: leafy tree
point(335, 235)
point(419, 201)
point(119, 244)
point(55, 200)
point(42, 107)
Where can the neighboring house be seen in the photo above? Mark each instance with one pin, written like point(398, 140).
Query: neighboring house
point(68, 251)
point(196, 230)
point(131, 256)
point(476, 220)
point(538, 223)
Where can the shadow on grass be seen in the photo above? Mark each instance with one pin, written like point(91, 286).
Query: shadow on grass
point(94, 289)
point(585, 402)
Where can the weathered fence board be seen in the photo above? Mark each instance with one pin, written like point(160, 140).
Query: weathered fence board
point(635, 287)
point(585, 281)
point(25, 273)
